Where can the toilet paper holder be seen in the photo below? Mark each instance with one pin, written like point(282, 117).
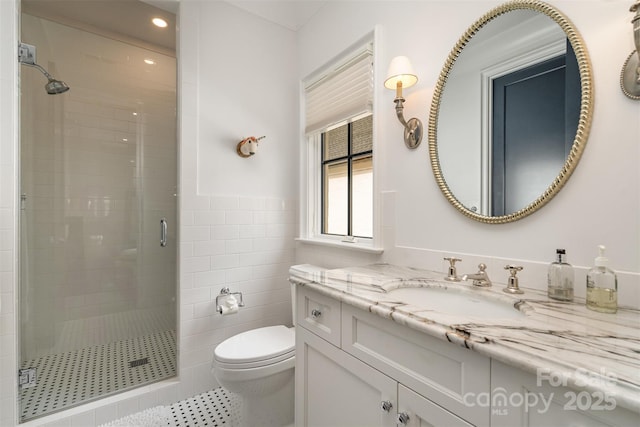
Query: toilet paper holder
point(226, 293)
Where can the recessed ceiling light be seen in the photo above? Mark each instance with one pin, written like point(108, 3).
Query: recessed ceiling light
point(149, 61)
point(159, 22)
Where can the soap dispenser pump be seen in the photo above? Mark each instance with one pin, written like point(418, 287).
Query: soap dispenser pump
point(560, 278)
point(602, 286)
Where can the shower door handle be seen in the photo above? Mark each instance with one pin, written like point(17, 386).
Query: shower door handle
point(163, 232)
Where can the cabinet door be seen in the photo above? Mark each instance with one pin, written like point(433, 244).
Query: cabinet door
point(518, 400)
point(440, 371)
point(334, 389)
point(422, 412)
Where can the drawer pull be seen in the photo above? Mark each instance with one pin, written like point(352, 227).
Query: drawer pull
point(315, 313)
point(403, 418)
point(386, 406)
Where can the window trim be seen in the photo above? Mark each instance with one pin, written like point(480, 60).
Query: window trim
point(310, 227)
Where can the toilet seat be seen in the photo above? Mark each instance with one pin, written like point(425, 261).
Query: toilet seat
point(256, 348)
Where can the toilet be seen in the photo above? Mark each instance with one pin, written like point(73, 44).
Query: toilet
point(258, 365)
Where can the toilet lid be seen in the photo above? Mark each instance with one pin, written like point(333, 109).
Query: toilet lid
point(257, 344)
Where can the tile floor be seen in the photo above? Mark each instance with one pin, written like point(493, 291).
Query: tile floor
point(216, 408)
point(66, 379)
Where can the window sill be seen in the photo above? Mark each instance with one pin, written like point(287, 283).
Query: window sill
point(357, 246)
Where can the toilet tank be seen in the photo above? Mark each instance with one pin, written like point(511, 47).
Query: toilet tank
point(302, 268)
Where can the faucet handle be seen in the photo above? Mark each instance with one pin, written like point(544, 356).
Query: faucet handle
point(452, 274)
point(512, 281)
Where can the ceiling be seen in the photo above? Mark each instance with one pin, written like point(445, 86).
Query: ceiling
point(124, 20)
point(130, 20)
point(291, 14)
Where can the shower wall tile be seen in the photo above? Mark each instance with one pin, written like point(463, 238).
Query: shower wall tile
point(192, 233)
point(195, 264)
point(239, 217)
point(240, 274)
point(226, 232)
point(208, 217)
point(209, 247)
point(208, 278)
point(226, 261)
point(194, 296)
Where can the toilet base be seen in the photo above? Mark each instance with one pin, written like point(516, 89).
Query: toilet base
point(275, 409)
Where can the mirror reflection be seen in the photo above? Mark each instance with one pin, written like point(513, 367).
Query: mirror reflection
point(507, 115)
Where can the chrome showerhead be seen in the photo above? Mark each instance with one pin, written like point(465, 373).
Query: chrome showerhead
point(54, 87)
point(27, 56)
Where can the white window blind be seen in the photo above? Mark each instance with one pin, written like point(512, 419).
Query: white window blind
point(343, 93)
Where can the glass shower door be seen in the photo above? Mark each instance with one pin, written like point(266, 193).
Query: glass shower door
point(98, 184)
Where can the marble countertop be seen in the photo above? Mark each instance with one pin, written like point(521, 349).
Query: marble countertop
point(580, 347)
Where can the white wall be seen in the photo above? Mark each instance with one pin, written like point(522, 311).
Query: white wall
point(238, 216)
point(599, 205)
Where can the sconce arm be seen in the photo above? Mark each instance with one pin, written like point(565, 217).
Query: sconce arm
point(630, 76)
point(400, 111)
point(412, 129)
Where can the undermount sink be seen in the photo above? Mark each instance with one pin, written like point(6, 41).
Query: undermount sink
point(465, 303)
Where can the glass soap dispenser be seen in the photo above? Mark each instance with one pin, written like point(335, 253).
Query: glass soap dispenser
point(602, 286)
point(560, 278)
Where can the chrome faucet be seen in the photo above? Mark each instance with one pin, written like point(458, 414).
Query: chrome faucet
point(452, 275)
point(480, 279)
point(512, 283)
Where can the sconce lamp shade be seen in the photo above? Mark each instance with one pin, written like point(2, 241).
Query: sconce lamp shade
point(401, 75)
point(400, 70)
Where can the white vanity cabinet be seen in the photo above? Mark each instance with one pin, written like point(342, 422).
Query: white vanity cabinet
point(355, 368)
point(523, 399)
point(370, 371)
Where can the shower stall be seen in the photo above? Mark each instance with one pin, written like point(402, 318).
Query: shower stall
point(98, 214)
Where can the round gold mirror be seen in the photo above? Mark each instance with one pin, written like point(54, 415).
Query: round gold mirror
point(511, 112)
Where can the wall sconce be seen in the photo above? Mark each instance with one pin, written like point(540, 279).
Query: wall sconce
point(630, 77)
point(401, 75)
point(248, 146)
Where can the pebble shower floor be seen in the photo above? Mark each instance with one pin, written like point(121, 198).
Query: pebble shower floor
point(66, 379)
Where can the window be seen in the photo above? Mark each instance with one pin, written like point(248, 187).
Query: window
point(339, 150)
point(347, 179)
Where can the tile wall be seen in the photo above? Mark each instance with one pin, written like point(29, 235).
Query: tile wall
point(245, 243)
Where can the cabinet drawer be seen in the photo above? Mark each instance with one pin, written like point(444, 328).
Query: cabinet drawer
point(319, 314)
point(440, 371)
